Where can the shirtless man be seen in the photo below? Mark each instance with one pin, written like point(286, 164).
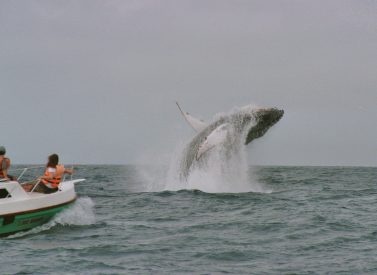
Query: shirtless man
point(4, 165)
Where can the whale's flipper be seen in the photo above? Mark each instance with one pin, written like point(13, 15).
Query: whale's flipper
point(218, 136)
point(197, 124)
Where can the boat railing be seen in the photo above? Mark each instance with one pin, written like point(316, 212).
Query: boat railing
point(23, 172)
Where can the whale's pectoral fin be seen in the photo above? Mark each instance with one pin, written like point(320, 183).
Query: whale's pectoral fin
point(215, 138)
point(197, 124)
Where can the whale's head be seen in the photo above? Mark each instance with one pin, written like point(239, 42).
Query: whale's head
point(264, 118)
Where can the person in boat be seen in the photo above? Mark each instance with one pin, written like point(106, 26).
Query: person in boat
point(4, 165)
point(49, 182)
point(53, 174)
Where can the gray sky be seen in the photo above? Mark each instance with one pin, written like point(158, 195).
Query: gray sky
point(96, 81)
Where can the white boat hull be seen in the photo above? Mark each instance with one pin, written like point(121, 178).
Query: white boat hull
point(21, 210)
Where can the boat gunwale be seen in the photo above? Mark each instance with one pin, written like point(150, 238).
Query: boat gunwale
point(39, 209)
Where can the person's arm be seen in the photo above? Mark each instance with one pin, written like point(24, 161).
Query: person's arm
point(5, 166)
point(68, 171)
point(5, 174)
point(46, 177)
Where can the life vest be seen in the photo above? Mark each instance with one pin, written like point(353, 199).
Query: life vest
point(4, 165)
point(56, 179)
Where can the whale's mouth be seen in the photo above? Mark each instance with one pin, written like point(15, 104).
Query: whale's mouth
point(264, 119)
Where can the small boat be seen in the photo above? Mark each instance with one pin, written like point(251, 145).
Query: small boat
point(21, 210)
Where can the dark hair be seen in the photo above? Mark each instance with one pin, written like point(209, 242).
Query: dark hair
point(2, 151)
point(53, 160)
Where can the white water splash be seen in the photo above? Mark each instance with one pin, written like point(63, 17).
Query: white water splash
point(80, 213)
point(219, 174)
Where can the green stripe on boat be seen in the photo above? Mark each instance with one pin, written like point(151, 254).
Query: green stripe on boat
point(14, 223)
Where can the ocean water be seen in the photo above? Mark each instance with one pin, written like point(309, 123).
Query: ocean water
point(303, 220)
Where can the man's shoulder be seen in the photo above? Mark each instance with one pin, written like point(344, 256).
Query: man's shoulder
point(5, 163)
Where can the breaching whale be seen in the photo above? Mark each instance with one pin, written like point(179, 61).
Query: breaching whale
point(241, 125)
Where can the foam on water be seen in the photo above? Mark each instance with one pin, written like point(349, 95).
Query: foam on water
point(218, 174)
point(80, 213)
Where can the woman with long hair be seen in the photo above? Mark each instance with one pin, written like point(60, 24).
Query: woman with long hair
point(49, 182)
point(52, 176)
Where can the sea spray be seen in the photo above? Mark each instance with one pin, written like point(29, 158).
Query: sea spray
point(223, 170)
point(80, 213)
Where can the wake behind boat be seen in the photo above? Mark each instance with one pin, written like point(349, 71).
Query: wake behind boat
point(21, 210)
